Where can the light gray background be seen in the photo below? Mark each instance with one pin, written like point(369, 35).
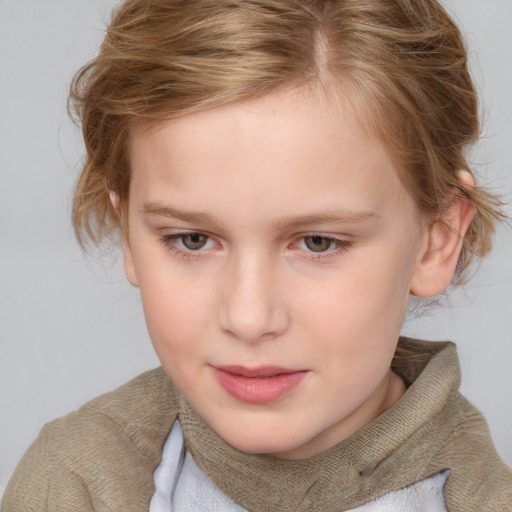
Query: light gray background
point(70, 330)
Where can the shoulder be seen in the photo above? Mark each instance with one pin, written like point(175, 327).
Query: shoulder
point(100, 456)
point(476, 468)
point(450, 433)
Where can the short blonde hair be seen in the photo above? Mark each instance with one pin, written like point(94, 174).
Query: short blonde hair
point(403, 62)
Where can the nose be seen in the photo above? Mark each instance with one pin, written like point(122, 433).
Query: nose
point(253, 307)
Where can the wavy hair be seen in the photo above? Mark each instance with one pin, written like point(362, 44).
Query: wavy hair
point(403, 64)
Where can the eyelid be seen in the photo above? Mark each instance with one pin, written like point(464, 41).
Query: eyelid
point(330, 236)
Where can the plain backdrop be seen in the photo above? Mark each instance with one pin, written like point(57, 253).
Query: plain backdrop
point(72, 328)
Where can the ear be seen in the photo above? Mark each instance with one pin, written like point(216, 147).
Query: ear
point(443, 244)
point(129, 267)
point(114, 200)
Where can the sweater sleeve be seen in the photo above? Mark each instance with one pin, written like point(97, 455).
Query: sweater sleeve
point(101, 457)
point(43, 483)
point(84, 461)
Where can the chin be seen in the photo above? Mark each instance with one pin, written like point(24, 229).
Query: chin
point(268, 441)
point(260, 447)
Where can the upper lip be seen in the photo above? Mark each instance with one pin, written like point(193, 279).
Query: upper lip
point(260, 371)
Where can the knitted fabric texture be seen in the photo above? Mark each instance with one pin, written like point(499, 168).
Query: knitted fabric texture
point(102, 457)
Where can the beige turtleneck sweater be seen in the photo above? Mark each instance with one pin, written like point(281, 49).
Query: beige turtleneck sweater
point(102, 457)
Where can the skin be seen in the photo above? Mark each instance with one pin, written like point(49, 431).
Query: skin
point(247, 186)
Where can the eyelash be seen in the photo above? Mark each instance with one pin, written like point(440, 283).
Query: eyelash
point(341, 246)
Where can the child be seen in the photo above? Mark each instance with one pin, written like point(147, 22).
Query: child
point(284, 175)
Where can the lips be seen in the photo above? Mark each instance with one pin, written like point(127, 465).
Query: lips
point(258, 385)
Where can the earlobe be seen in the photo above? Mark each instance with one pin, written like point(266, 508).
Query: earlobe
point(434, 271)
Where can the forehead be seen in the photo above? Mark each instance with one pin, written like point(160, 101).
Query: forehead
point(289, 148)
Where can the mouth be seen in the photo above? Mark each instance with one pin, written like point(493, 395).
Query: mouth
point(258, 385)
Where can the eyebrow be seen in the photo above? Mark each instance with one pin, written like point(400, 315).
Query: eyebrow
point(169, 211)
point(326, 217)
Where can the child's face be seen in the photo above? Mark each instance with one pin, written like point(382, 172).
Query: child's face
point(274, 246)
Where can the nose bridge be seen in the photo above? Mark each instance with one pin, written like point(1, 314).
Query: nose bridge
point(252, 306)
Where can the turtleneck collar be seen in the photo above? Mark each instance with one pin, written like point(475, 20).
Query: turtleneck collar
point(385, 455)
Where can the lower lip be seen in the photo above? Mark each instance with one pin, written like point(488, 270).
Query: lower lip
point(254, 390)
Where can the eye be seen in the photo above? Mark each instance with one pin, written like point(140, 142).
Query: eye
point(320, 247)
point(188, 243)
point(318, 243)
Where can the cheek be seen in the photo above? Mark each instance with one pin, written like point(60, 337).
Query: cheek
point(174, 328)
point(174, 307)
point(361, 310)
